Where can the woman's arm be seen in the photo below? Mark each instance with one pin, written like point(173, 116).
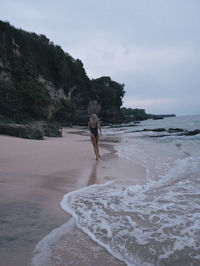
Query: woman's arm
point(99, 127)
point(89, 126)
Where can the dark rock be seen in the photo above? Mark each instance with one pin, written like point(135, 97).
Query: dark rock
point(177, 130)
point(22, 131)
point(48, 129)
point(122, 125)
point(172, 130)
point(159, 136)
point(157, 118)
point(159, 129)
point(35, 130)
point(52, 130)
point(154, 130)
point(192, 133)
point(112, 116)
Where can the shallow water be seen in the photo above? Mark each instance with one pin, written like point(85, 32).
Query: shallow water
point(157, 223)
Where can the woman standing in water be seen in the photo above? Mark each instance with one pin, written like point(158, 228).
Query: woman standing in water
point(94, 126)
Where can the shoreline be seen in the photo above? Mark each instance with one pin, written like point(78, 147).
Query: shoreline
point(34, 177)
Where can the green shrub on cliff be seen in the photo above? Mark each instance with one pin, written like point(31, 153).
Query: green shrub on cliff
point(39, 73)
point(108, 92)
point(64, 112)
point(35, 98)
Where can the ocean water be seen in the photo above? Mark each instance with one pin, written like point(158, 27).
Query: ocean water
point(157, 223)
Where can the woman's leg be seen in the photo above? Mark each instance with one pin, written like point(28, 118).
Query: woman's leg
point(97, 145)
point(93, 139)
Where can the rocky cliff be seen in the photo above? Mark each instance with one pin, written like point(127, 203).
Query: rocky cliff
point(39, 81)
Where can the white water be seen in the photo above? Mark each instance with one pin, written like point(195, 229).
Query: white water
point(153, 224)
point(144, 224)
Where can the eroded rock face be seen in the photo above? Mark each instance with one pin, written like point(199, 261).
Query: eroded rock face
point(112, 116)
point(94, 107)
point(55, 93)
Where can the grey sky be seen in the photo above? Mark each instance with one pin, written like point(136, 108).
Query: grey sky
point(152, 46)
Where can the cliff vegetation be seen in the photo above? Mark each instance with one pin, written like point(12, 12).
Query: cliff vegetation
point(39, 81)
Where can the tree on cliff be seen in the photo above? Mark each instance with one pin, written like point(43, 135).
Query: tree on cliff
point(38, 80)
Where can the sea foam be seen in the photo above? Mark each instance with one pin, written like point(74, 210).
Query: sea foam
point(153, 224)
point(143, 224)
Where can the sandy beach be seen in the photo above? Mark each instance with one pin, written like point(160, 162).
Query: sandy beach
point(34, 176)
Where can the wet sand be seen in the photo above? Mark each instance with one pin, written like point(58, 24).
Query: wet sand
point(34, 176)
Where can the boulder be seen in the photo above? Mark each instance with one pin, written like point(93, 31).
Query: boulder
point(192, 133)
point(35, 130)
point(172, 130)
point(22, 131)
point(159, 129)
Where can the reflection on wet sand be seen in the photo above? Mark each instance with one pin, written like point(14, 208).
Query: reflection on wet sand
point(93, 175)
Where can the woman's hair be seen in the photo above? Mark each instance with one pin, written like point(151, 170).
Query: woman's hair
point(94, 120)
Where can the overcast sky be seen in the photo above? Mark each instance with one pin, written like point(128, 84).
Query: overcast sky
point(152, 46)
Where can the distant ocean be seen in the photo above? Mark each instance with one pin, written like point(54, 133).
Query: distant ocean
point(157, 223)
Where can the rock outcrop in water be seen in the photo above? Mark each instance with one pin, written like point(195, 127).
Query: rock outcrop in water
point(140, 114)
point(173, 131)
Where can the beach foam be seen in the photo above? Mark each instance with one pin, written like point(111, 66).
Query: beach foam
point(67, 245)
point(152, 223)
point(143, 225)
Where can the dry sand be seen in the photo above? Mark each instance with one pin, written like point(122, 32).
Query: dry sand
point(34, 176)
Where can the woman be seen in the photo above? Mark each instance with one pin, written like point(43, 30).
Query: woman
point(94, 126)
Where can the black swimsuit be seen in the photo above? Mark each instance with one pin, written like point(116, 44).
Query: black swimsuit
point(94, 130)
